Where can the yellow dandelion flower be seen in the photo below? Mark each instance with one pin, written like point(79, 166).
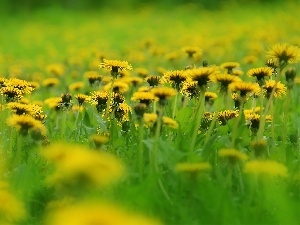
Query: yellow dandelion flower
point(123, 112)
point(54, 102)
point(245, 88)
point(77, 108)
point(150, 118)
point(229, 66)
point(266, 167)
point(142, 72)
point(280, 89)
point(259, 146)
point(253, 120)
point(99, 139)
point(77, 165)
point(163, 93)
point(232, 155)
point(11, 93)
point(81, 98)
point(25, 123)
point(11, 209)
point(118, 87)
point(93, 77)
point(170, 122)
point(50, 82)
point(210, 97)
point(191, 51)
point(237, 72)
point(171, 56)
point(284, 53)
point(201, 75)
point(190, 89)
point(260, 73)
point(250, 59)
point(99, 99)
point(115, 66)
point(224, 116)
point(193, 167)
point(224, 80)
point(153, 80)
point(135, 81)
point(175, 78)
point(143, 89)
point(96, 213)
point(57, 69)
point(76, 86)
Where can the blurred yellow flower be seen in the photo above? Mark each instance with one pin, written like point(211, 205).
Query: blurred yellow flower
point(266, 167)
point(232, 154)
point(193, 167)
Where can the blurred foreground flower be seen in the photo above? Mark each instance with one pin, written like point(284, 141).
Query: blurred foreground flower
point(95, 213)
point(266, 167)
point(284, 53)
point(77, 165)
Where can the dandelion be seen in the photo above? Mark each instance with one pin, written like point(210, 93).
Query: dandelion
point(229, 66)
point(140, 109)
point(99, 140)
point(259, 147)
point(88, 213)
point(201, 75)
point(260, 73)
point(115, 66)
point(25, 123)
point(99, 99)
point(11, 93)
point(142, 72)
point(144, 97)
point(163, 94)
point(11, 209)
point(268, 168)
point(225, 80)
point(224, 116)
point(123, 112)
point(135, 81)
point(190, 89)
point(280, 89)
point(93, 77)
point(153, 80)
point(76, 86)
point(253, 120)
point(273, 65)
point(54, 102)
point(81, 98)
point(245, 88)
point(175, 78)
point(290, 75)
point(237, 72)
point(150, 118)
point(284, 53)
point(66, 100)
point(210, 97)
point(57, 69)
point(77, 165)
point(192, 51)
point(232, 155)
point(50, 82)
point(169, 122)
point(117, 99)
point(118, 86)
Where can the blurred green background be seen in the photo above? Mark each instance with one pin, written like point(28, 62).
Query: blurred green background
point(8, 6)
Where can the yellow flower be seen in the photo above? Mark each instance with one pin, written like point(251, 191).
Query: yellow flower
point(260, 73)
point(81, 98)
point(93, 77)
point(224, 116)
point(190, 89)
point(280, 89)
point(115, 66)
point(100, 213)
point(142, 72)
point(50, 82)
point(57, 69)
point(266, 167)
point(170, 122)
point(76, 86)
point(118, 86)
point(144, 97)
point(26, 123)
point(253, 120)
point(229, 66)
point(163, 93)
point(99, 139)
point(233, 155)
point(245, 88)
point(225, 80)
point(150, 118)
point(201, 75)
point(193, 167)
point(135, 81)
point(284, 53)
point(77, 165)
point(210, 96)
point(192, 51)
point(11, 209)
point(153, 80)
point(99, 99)
point(122, 112)
point(175, 78)
point(54, 102)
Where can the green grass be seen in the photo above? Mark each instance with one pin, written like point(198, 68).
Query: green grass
point(151, 186)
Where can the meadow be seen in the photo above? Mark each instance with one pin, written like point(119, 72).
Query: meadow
point(151, 116)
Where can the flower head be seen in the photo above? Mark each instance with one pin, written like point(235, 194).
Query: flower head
point(190, 89)
point(115, 66)
point(284, 53)
point(245, 88)
point(163, 94)
point(266, 167)
point(225, 80)
point(144, 97)
point(201, 75)
point(193, 167)
point(260, 73)
point(229, 66)
point(232, 155)
point(280, 89)
point(175, 78)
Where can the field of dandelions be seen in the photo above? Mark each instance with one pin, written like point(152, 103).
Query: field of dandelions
point(181, 116)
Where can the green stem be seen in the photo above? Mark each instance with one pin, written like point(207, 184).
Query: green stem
point(236, 125)
point(174, 106)
point(153, 158)
point(141, 148)
point(109, 97)
point(199, 112)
